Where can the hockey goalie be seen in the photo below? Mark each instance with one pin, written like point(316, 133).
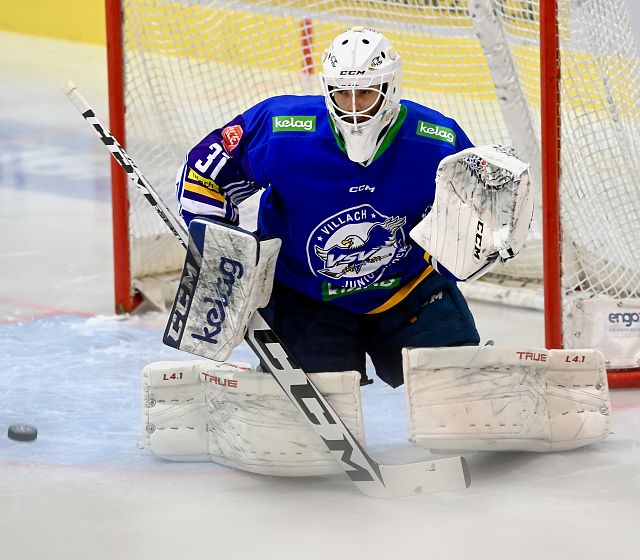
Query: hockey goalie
point(373, 209)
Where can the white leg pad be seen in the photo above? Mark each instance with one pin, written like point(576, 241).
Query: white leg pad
point(229, 414)
point(175, 411)
point(490, 398)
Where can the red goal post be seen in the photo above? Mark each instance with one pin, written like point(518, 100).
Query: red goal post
point(126, 299)
point(541, 75)
point(551, 132)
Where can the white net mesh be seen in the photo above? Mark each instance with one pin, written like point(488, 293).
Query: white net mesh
point(190, 66)
point(600, 116)
point(599, 141)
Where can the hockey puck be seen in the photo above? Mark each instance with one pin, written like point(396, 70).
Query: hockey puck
point(22, 432)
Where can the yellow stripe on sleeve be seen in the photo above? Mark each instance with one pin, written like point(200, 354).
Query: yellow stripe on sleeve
point(190, 187)
point(204, 181)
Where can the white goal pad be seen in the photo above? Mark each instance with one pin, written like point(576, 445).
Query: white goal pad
point(203, 410)
point(498, 399)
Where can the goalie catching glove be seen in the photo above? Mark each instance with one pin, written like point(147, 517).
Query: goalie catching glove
point(481, 214)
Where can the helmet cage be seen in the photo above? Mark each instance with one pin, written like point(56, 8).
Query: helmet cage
point(357, 62)
point(361, 129)
point(347, 111)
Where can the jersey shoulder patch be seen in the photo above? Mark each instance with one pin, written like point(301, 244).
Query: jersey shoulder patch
point(288, 114)
point(425, 123)
point(231, 136)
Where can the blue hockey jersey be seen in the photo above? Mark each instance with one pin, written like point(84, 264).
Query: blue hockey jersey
point(344, 227)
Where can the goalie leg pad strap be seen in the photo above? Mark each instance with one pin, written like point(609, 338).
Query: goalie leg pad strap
point(491, 398)
point(232, 415)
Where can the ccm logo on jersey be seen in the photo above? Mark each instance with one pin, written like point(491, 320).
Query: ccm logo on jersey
point(231, 137)
point(361, 188)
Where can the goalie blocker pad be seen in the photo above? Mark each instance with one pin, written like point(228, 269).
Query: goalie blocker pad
point(481, 213)
point(498, 399)
point(227, 275)
point(202, 410)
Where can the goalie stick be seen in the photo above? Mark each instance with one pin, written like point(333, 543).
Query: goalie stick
point(370, 477)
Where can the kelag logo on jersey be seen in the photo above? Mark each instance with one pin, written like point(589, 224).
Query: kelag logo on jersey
point(436, 132)
point(352, 249)
point(293, 124)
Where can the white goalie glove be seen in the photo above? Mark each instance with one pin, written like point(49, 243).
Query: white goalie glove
point(481, 213)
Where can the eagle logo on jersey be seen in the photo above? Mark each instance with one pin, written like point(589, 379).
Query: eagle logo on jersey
point(353, 252)
point(354, 247)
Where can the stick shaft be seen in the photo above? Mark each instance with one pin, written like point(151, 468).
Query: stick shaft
point(121, 156)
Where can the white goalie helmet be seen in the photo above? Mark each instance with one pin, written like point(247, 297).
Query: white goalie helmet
point(361, 74)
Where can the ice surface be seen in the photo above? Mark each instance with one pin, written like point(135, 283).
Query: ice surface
point(85, 490)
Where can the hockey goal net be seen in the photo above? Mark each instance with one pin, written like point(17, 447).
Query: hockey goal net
point(178, 69)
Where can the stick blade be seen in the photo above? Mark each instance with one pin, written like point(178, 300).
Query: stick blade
point(424, 477)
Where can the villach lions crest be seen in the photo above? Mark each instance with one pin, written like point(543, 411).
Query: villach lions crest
point(353, 248)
